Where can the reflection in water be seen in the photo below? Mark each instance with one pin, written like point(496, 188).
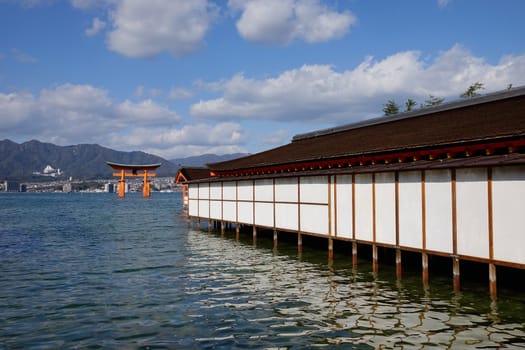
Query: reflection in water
point(92, 271)
point(332, 303)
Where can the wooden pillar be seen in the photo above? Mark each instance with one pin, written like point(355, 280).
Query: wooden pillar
point(275, 238)
point(375, 265)
point(399, 267)
point(209, 225)
point(492, 281)
point(354, 253)
point(237, 231)
point(146, 186)
point(492, 267)
point(122, 184)
point(299, 242)
point(455, 272)
point(254, 233)
point(424, 264)
point(222, 228)
point(330, 248)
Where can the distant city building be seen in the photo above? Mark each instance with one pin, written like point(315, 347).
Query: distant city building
point(49, 171)
point(11, 186)
point(67, 187)
point(109, 188)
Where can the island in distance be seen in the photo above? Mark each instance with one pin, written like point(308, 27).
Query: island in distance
point(34, 160)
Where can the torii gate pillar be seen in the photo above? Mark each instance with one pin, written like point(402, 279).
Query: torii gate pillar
point(134, 172)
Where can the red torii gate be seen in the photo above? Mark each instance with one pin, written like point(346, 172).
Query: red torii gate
point(132, 170)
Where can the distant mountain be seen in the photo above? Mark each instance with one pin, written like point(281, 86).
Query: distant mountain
point(84, 161)
point(205, 159)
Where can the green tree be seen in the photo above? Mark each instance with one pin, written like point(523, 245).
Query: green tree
point(391, 108)
point(472, 90)
point(409, 104)
point(432, 101)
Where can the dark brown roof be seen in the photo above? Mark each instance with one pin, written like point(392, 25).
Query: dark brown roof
point(192, 174)
point(452, 163)
point(490, 118)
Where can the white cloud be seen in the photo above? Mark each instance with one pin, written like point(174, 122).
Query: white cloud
point(147, 28)
point(180, 94)
point(22, 57)
point(96, 27)
point(276, 137)
point(71, 114)
point(31, 3)
point(191, 139)
point(278, 22)
point(15, 109)
point(443, 3)
point(91, 4)
point(321, 93)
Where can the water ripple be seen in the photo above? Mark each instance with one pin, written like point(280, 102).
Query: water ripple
point(98, 276)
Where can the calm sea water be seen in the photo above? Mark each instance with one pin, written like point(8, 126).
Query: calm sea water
point(92, 271)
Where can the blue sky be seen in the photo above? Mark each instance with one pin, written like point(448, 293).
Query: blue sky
point(180, 78)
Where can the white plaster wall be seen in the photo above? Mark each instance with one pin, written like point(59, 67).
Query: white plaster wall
point(363, 207)
point(245, 212)
point(344, 206)
point(245, 190)
point(385, 208)
point(215, 190)
point(193, 207)
point(193, 191)
point(438, 204)
point(264, 190)
point(472, 212)
point(314, 219)
point(229, 211)
point(204, 208)
point(229, 190)
point(314, 189)
point(216, 210)
point(286, 216)
point(410, 210)
point(508, 188)
point(264, 214)
point(204, 191)
point(286, 190)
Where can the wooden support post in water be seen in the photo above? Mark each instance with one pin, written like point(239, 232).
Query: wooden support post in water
point(354, 253)
point(399, 266)
point(146, 185)
point(237, 231)
point(455, 268)
point(424, 264)
point(122, 184)
point(275, 238)
point(222, 228)
point(330, 248)
point(375, 265)
point(299, 242)
point(492, 282)
point(254, 234)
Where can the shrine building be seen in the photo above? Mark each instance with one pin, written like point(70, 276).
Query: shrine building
point(444, 181)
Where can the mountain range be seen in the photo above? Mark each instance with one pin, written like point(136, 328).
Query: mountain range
point(27, 161)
